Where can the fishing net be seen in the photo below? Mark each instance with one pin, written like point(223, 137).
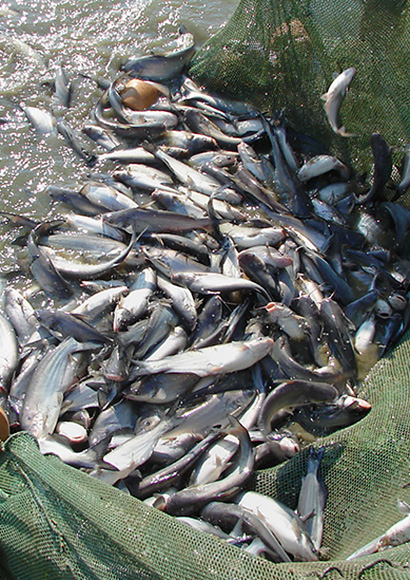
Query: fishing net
point(283, 54)
point(57, 522)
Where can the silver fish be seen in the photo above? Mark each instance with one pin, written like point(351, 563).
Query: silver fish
point(223, 358)
point(52, 377)
point(334, 98)
point(285, 525)
point(396, 535)
point(312, 497)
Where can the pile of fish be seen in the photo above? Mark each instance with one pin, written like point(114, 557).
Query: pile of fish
point(206, 303)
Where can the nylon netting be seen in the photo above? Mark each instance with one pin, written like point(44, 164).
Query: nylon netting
point(282, 54)
point(57, 522)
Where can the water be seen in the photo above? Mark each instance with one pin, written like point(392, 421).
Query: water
point(87, 37)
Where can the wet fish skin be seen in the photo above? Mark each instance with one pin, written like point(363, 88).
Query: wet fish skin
point(321, 164)
point(88, 271)
point(150, 123)
point(289, 367)
point(210, 283)
point(193, 246)
point(281, 447)
point(74, 199)
point(326, 418)
point(292, 324)
point(44, 396)
point(134, 452)
point(62, 87)
point(162, 67)
point(43, 269)
point(334, 97)
point(43, 121)
point(20, 313)
point(289, 191)
point(396, 535)
point(166, 477)
point(73, 140)
point(163, 319)
point(340, 339)
point(174, 343)
point(211, 360)
point(106, 197)
point(87, 459)
point(121, 416)
point(182, 300)
point(197, 122)
point(69, 325)
point(289, 530)
point(160, 388)
point(9, 357)
point(228, 514)
point(101, 136)
point(312, 497)
point(154, 220)
point(191, 499)
point(291, 394)
point(135, 304)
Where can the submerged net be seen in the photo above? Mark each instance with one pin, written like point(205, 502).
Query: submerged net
point(57, 522)
point(282, 54)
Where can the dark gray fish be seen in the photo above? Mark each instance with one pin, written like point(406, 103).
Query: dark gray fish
point(74, 141)
point(103, 138)
point(79, 271)
point(227, 515)
point(43, 269)
point(289, 191)
point(292, 369)
point(193, 246)
point(154, 220)
point(197, 122)
point(383, 165)
point(289, 395)
point(166, 66)
point(62, 87)
point(403, 186)
point(328, 417)
point(401, 218)
point(327, 276)
point(336, 326)
point(160, 388)
point(167, 476)
point(67, 325)
point(192, 499)
point(74, 199)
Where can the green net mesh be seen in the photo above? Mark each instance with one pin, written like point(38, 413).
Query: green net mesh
point(57, 522)
point(282, 54)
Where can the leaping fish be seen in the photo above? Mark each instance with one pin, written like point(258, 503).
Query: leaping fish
point(334, 99)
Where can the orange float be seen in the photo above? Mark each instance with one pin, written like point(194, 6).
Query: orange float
point(4, 426)
point(138, 95)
